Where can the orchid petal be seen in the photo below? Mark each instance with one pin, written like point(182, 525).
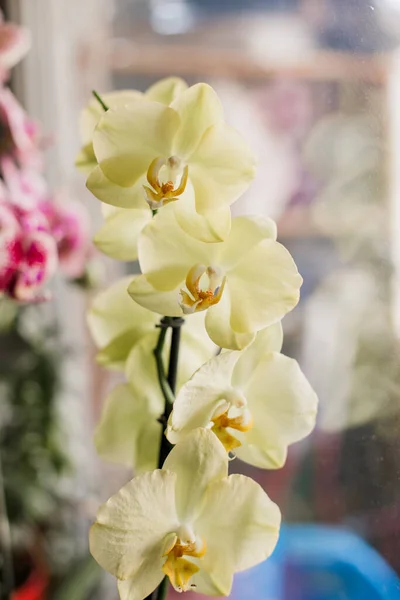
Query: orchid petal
point(246, 233)
point(166, 90)
point(119, 234)
point(241, 525)
point(221, 168)
point(128, 432)
point(263, 287)
point(164, 303)
point(132, 525)
point(198, 398)
point(283, 405)
point(197, 460)
point(127, 140)
point(93, 112)
point(115, 195)
point(166, 252)
point(219, 328)
point(199, 108)
point(211, 227)
point(146, 580)
point(113, 313)
point(267, 340)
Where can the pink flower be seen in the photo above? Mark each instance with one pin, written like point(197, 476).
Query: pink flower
point(15, 42)
point(20, 134)
point(10, 246)
point(28, 254)
point(25, 187)
point(69, 225)
point(38, 264)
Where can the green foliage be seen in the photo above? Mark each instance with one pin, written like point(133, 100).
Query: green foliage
point(30, 445)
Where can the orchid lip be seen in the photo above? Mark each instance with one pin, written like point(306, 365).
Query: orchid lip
point(183, 543)
point(163, 189)
point(196, 296)
point(221, 419)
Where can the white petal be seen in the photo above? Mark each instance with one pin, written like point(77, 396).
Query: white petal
point(113, 356)
point(219, 328)
point(115, 195)
point(197, 460)
point(163, 303)
point(118, 236)
point(199, 108)
point(283, 405)
point(267, 340)
point(128, 139)
point(196, 348)
point(107, 210)
point(221, 168)
point(264, 286)
point(145, 581)
point(141, 370)
point(273, 458)
point(205, 584)
point(113, 313)
point(246, 233)
point(132, 525)
point(166, 90)
point(240, 525)
point(128, 432)
point(93, 112)
point(211, 227)
point(197, 400)
point(85, 160)
point(166, 252)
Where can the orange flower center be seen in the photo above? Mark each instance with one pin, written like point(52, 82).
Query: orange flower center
point(198, 297)
point(161, 193)
point(179, 569)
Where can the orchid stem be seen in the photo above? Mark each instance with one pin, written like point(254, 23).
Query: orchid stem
point(166, 390)
point(100, 101)
point(174, 352)
point(168, 386)
point(162, 589)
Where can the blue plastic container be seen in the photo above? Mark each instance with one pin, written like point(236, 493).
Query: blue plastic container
point(313, 562)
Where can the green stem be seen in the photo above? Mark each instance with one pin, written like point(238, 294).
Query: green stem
point(167, 385)
point(100, 101)
point(158, 354)
point(162, 589)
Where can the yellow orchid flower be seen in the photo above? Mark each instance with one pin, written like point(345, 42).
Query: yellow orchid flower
point(183, 154)
point(126, 335)
point(174, 521)
point(257, 402)
point(128, 432)
point(244, 284)
point(117, 324)
point(118, 236)
point(163, 91)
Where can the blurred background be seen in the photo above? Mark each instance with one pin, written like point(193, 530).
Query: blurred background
point(314, 86)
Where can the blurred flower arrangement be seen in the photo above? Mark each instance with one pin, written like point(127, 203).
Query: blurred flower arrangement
point(352, 350)
point(198, 337)
point(40, 233)
point(346, 154)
